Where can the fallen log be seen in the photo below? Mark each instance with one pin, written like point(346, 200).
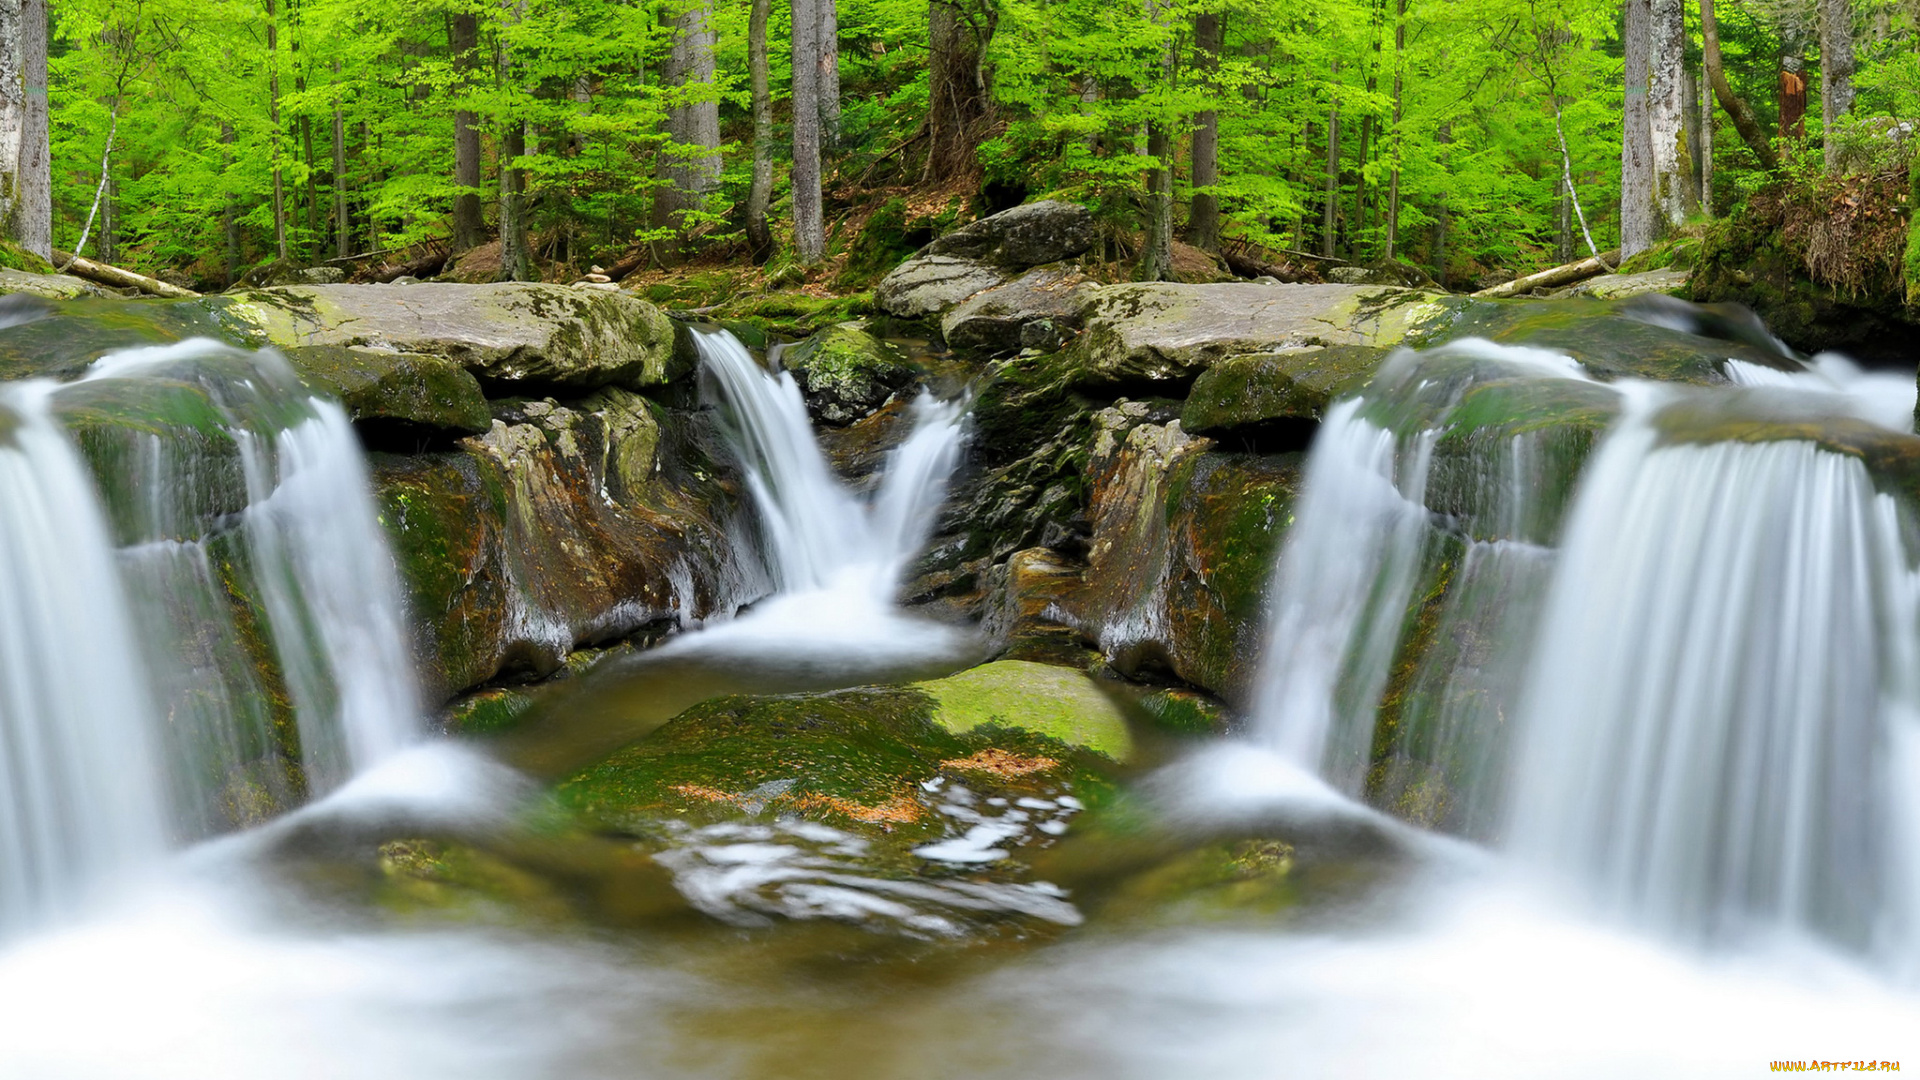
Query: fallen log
point(1604, 263)
point(425, 266)
point(102, 274)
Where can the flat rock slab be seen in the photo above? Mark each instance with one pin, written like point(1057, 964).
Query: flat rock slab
point(1030, 234)
point(1164, 332)
point(50, 286)
point(926, 285)
point(1621, 286)
point(541, 335)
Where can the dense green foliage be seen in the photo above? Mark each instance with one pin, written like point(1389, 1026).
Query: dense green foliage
point(1451, 101)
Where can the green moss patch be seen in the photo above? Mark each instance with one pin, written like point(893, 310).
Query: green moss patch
point(1060, 703)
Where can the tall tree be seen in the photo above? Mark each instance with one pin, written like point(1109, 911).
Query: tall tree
point(760, 191)
point(463, 41)
point(1675, 195)
point(342, 228)
point(280, 244)
point(689, 164)
point(1393, 183)
point(809, 225)
point(1837, 64)
point(1330, 210)
point(26, 184)
point(958, 87)
point(1639, 221)
point(829, 72)
point(516, 252)
point(1203, 216)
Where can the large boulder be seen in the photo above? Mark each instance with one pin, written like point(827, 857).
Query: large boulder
point(47, 286)
point(547, 336)
point(380, 386)
point(984, 254)
point(1668, 282)
point(1269, 396)
point(1038, 310)
point(846, 373)
point(1157, 333)
point(1060, 703)
point(562, 526)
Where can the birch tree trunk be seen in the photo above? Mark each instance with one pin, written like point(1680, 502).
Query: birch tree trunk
point(1836, 71)
point(689, 164)
point(469, 228)
point(1203, 217)
point(829, 77)
point(760, 192)
point(809, 227)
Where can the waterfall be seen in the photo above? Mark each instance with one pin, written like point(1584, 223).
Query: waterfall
point(819, 533)
point(190, 563)
point(1692, 693)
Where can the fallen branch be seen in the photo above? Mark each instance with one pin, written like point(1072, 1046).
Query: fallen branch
point(103, 274)
point(424, 266)
point(1603, 263)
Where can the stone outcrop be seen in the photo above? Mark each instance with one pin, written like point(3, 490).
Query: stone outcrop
point(543, 336)
point(1040, 309)
point(414, 389)
point(846, 373)
point(985, 254)
point(1276, 397)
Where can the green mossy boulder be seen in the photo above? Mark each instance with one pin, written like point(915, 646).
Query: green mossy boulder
point(1248, 394)
point(424, 391)
point(46, 284)
point(846, 373)
point(1060, 703)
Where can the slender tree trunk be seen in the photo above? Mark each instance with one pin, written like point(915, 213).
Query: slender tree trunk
point(1443, 137)
point(829, 78)
point(1744, 122)
point(1563, 245)
point(1836, 71)
point(231, 218)
point(958, 33)
point(1393, 181)
point(313, 182)
point(809, 226)
point(1639, 223)
point(343, 233)
point(469, 227)
point(283, 252)
point(1203, 217)
point(1706, 142)
point(109, 246)
point(1331, 210)
point(688, 166)
point(26, 181)
point(1673, 188)
point(516, 254)
point(760, 192)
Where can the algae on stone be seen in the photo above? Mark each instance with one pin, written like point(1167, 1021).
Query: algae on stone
point(1061, 703)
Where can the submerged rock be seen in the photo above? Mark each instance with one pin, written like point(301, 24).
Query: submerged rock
point(429, 392)
point(846, 373)
point(545, 335)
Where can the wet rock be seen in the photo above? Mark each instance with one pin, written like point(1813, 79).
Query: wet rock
point(1060, 703)
point(1038, 310)
point(562, 526)
point(1164, 333)
point(858, 450)
point(925, 286)
point(846, 373)
point(1621, 286)
point(430, 392)
point(1647, 337)
point(49, 286)
point(1184, 540)
point(1027, 613)
point(322, 275)
point(543, 335)
point(1030, 234)
point(1257, 396)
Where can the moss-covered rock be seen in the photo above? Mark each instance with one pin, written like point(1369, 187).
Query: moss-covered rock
point(1252, 395)
point(1668, 282)
point(543, 335)
point(1646, 337)
point(1060, 703)
point(430, 392)
point(46, 284)
point(846, 373)
point(60, 338)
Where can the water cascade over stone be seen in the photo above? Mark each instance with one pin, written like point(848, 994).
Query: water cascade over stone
point(1679, 669)
point(214, 637)
point(820, 534)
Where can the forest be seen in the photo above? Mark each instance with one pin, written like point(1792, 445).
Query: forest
point(1468, 140)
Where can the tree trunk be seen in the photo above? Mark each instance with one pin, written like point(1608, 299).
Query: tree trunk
point(829, 78)
point(1443, 137)
point(1673, 189)
point(688, 166)
point(1563, 246)
point(343, 234)
point(1203, 217)
point(1706, 143)
point(1393, 181)
point(516, 255)
point(1639, 224)
point(1331, 211)
point(1793, 96)
point(469, 228)
point(809, 228)
point(760, 193)
point(283, 252)
point(1836, 71)
point(958, 32)
point(26, 182)
point(232, 215)
point(1744, 122)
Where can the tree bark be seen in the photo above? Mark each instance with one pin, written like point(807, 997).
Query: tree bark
point(342, 231)
point(118, 278)
point(688, 166)
point(1331, 211)
point(1744, 122)
point(829, 77)
point(1639, 223)
point(961, 105)
point(809, 227)
point(1203, 216)
point(760, 192)
point(273, 114)
point(469, 227)
point(1706, 143)
point(1594, 266)
point(1793, 96)
point(1393, 181)
point(231, 217)
point(26, 207)
point(1673, 190)
point(516, 254)
point(1836, 71)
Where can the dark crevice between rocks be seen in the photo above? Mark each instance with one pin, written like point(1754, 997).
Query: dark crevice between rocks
point(1277, 435)
point(382, 434)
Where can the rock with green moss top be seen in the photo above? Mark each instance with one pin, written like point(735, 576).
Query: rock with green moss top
point(47, 285)
point(1664, 281)
point(542, 335)
point(1248, 394)
point(1167, 333)
point(846, 373)
point(424, 391)
point(59, 339)
point(1644, 337)
point(1184, 539)
point(1060, 703)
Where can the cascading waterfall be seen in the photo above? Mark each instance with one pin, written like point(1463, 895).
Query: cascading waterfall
point(232, 559)
point(819, 533)
point(1695, 693)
